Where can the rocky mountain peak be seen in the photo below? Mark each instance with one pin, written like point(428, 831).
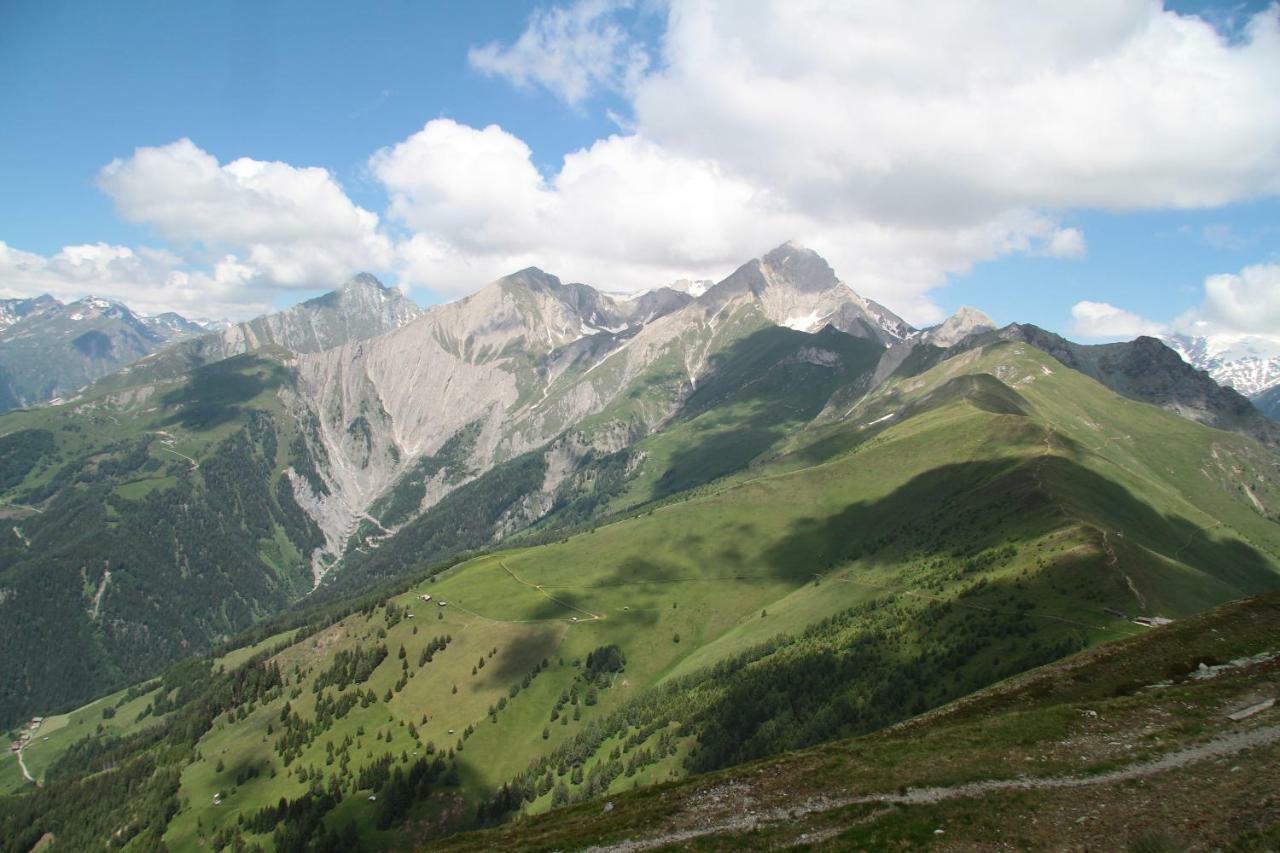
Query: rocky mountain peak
point(798, 267)
point(966, 321)
point(532, 279)
point(13, 310)
point(365, 281)
point(795, 287)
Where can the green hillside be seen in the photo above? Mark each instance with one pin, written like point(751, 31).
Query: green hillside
point(1131, 746)
point(142, 527)
point(990, 514)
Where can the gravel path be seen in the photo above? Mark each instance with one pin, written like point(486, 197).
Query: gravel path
point(1221, 746)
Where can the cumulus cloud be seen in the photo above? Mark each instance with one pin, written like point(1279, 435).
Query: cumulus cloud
point(148, 280)
point(1103, 320)
point(571, 51)
point(1235, 305)
point(1244, 303)
point(628, 213)
point(294, 226)
point(1066, 243)
point(953, 113)
point(906, 142)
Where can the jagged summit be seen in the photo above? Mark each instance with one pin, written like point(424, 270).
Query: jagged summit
point(365, 282)
point(801, 268)
point(960, 325)
point(797, 288)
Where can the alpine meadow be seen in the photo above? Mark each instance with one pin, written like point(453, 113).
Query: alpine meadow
point(500, 488)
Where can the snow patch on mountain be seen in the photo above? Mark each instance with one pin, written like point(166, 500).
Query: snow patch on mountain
point(1248, 363)
point(691, 287)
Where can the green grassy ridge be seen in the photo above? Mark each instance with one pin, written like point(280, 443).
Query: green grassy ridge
point(906, 532)
point(534, 590)
point(1032, 723)
point(1179, 468)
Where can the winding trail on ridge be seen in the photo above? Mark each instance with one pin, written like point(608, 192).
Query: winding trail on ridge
point(591, 617)
point(1221, 746)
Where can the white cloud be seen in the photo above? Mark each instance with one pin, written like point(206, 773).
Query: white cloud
point(1235, 306)
point(478, 185)
point(953, 113)
point(627, 213)
point(1103, 320)
point(294, 226)
point(1244, 303)
point(243, 231)
point(1066, 243)
point(572, 51)
point(906, 142)
point(148, 280)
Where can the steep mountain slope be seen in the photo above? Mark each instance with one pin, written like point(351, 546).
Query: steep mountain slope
point(529, 362)
point(752, 394)
point(524, 396)
point(139, 529)
point(1268, 402)
point(957, 526)
point(1249, 364)
point(48, 349)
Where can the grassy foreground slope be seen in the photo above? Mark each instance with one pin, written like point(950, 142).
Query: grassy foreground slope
point(986, 516)
point(1138, 744)
point(972, 539)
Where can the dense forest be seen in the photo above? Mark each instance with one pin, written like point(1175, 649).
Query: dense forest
point(220, 548)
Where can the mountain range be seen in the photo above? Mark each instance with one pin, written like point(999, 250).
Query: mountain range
point(545, 544)
point(49, 349)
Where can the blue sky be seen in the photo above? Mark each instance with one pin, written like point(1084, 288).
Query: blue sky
point(308, 83)
point(330, 84)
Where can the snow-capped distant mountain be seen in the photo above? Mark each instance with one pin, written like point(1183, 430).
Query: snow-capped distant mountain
point(1249, 364)
point(175, 327)
point(691, 287)
point(48, 349)
point(211, 325)
point(14, 310)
